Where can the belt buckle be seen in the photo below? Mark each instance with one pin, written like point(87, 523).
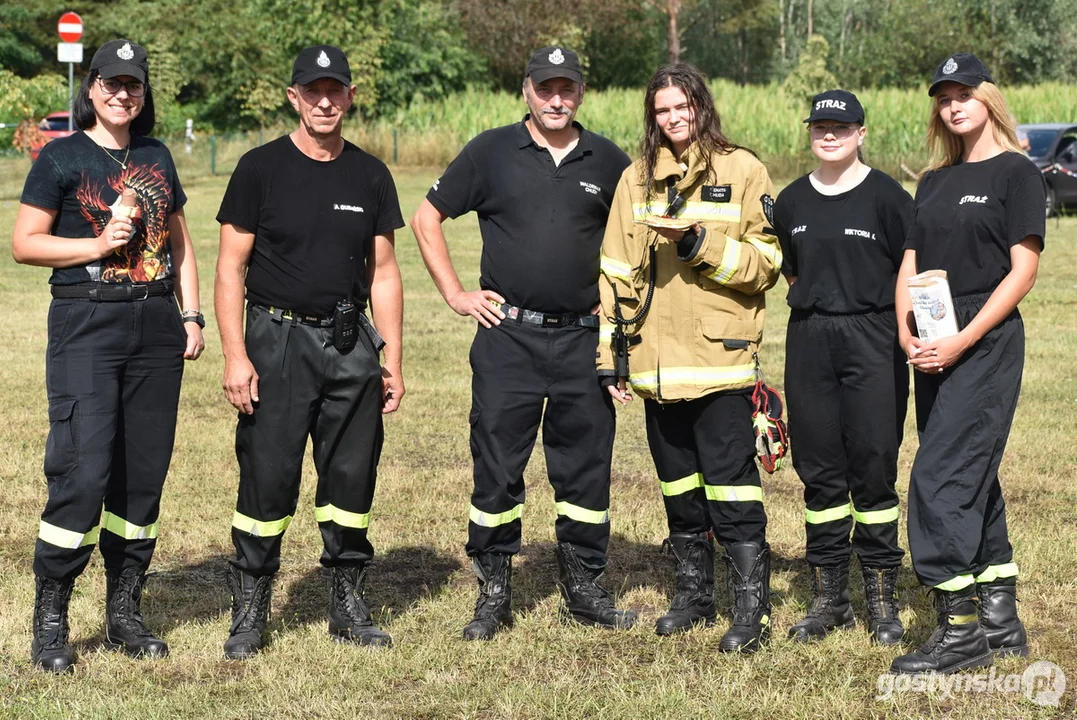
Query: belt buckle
point(134, 296)
point(286, 315)
point(553, 320)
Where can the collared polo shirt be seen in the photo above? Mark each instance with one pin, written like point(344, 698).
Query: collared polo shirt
point(541, 223)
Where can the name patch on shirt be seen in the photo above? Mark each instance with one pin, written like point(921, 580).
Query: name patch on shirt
point(978, 199)
point(717, 193)
point(860, 233)
point(349, 208)
point(590, 187)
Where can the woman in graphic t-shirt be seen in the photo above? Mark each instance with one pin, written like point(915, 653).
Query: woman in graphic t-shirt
point(979, 217)
point(104, 209)
point(842, 228)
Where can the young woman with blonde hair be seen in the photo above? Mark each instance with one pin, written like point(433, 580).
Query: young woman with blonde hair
point(979, 217)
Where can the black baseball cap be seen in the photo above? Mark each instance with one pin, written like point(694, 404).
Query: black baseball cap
point(554, 62)
point(964, 68)
point(121, 57)
point(321, 61)
point(840, 105)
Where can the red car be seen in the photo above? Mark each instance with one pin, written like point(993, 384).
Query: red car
point(53, 126)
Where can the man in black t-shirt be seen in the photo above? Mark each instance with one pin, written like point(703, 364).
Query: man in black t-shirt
point(542, 189)
point(307, 225)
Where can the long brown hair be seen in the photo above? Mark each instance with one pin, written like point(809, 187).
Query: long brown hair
point(946, 148)
point(706, 124)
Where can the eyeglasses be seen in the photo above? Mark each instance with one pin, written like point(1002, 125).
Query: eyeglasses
point(839, 131)
point(111, 86)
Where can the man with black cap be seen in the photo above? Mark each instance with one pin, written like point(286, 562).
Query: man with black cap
point(307, 226)
point(542, 190)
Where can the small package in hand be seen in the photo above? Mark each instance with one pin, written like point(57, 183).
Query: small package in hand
point(932, 305)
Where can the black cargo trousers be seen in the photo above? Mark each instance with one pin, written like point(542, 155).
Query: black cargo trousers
point(113, 373)
point(518, 368)
point(957, 517)
point(847, 386)
point(307, 388)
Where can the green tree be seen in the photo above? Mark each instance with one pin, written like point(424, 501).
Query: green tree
point(811, 75)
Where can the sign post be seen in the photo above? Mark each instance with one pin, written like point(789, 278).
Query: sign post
point(70, 51)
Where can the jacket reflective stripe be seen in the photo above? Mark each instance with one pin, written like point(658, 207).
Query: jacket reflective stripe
point(333, 514)
point(771, 250)
point(616, 268)
point(680, 487)
point(818, 517)
point(734, 493)
point(581, 514)
point(495, 519)
point(994, 572)
point(693, 210)
point(957, 583)
point(69, 539)
point(127, 530)
point(605, 333)
point(694, 376)
point(260, 528)
point(876, 517)
point(730, 262)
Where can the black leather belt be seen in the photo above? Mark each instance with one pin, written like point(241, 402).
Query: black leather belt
point(549, 320)
point(285, 315)
point(113, 292)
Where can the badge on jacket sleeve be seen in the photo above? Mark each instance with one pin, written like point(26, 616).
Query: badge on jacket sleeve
point(768, 208)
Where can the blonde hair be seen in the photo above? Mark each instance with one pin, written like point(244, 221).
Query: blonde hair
point(946, 148)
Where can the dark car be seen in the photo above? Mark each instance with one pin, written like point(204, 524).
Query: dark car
point(1053, 147)
point(53, 126)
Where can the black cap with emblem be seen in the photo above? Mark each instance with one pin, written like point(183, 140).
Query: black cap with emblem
point(840, 105)
point(554, 62)
point(120, 57)
point(963, 68)
point(321, 61)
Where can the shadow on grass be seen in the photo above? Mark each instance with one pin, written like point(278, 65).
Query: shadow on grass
point(395, 582)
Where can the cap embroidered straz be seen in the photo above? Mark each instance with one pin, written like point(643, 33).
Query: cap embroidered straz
point(557, 57)
point(125, 52)
point(950, 67)
point(323, 60)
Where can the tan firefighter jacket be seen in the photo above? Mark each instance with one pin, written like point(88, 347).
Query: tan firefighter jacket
point(706, 318)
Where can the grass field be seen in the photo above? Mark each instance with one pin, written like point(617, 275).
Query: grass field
point(422, 585)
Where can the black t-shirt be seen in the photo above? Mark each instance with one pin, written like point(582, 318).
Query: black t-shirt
point(313, 222)
point(75, 177)
point(541, 223)
point(845, 249)
point(968, 216)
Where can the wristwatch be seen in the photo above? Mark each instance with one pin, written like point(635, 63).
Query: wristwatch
point(194, 316)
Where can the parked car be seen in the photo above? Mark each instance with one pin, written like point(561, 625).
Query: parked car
point(53, 126)
point(1053, 147)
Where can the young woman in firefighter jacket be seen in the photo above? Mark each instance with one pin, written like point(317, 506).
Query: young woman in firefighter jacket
point(691, 354)
point(979, 217)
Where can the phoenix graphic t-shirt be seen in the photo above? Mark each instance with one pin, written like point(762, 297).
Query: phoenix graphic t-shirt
point(82, 181)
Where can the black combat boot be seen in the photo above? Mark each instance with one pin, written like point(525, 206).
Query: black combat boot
point(998, 617)
point(349, 616)
point(251, 596)
point(749, 575)
point(693, 599)
point(124, 627)
point(586, 601)
point(49, 649)
point(880, 593)
point(493, 609)
point(958, 643)
point(830, 608)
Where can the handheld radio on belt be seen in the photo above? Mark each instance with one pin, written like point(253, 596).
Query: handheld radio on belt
point(621, 341)
point(346, 317)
